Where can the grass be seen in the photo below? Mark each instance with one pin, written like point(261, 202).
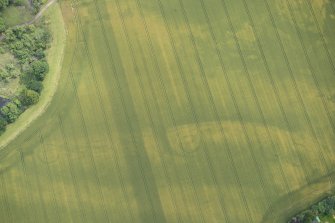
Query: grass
point(181, 111)
point(8, 89)
point(15, 15)
point(329, 220)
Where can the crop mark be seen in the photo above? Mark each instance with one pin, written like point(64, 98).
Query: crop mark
point(297, 92)
point(144, 179)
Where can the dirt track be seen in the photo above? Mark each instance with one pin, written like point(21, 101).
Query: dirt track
point(40, 13)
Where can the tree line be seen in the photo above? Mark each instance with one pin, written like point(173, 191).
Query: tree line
point(320, 210)
point(28, 45)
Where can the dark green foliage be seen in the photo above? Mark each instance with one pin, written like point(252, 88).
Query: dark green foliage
point(38, 69)
point(39, 54)
point(10, 112)
point(28, 97)
point(34, 74)
point(35, 85)
point(16, 2)
point(37, 5)
point(27, 43)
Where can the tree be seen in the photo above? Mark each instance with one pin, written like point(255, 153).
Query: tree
point(37, 5)
point(39, 54)
point(10, 112)
point(35, 85)
point(28, 97)
point(39, 68)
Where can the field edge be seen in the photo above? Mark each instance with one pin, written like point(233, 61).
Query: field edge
point(55, 56)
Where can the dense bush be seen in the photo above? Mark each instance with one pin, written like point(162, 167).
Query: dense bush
point(34, 85)
point(10, 112)
point(37, 5)
point(28, 97)
point(38, 69)
point(27, 43)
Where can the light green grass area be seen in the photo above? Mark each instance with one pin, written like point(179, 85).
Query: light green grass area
point(181, 111)
point(8, 88)
point(5, 58)
point(15, 15)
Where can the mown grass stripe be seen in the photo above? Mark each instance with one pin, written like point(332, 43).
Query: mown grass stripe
point(5, 201)
point(269, 74)
point(116, 162)
point(303, 105)
point(324, 42)
point(84, 124)
point(123, 90)
point(308, 60)
point(161, 82)
point(38, 186)
point(32, 211)
point(254, 97)
point(206, 83)
point(209, 93)
point(298, 95)
point(55, 206)
point(73, 176)
point(149, 114)
point(115, 154)
point(185, 84)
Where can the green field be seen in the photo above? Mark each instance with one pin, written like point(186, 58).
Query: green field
point(181, 111)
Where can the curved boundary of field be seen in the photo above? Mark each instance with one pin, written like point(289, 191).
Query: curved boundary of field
point(296, 201)
point(55, 56)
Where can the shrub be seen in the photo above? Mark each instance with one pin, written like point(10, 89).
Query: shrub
point(35, 85)
point(39, 68)
point(10, 112)
point(28, 97)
